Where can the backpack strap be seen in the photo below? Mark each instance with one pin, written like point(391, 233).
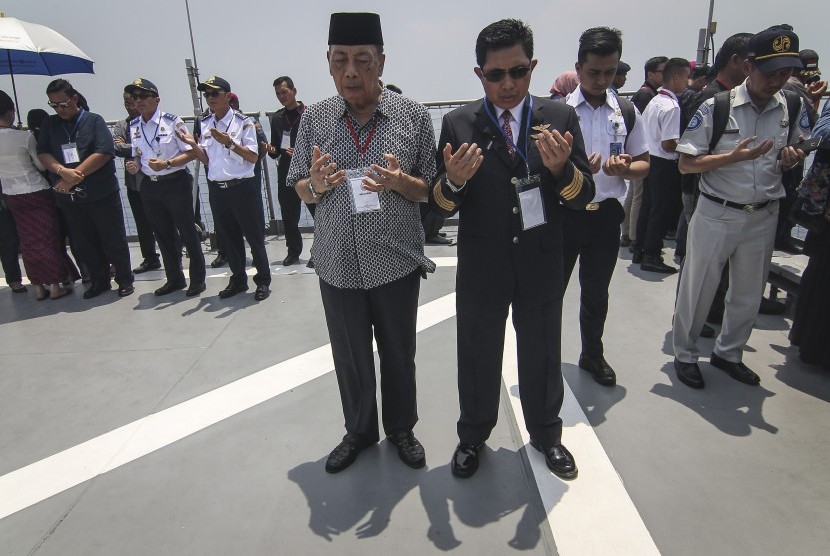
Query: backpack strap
point(629, 115)
point(793, 107)
point(720, 117)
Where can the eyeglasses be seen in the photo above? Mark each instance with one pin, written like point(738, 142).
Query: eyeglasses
point(495, 76)
point(56, 105)
point(142, 95)
point(211, 94)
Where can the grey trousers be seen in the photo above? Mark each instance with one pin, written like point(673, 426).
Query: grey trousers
point(631, 206)
point(718, 234)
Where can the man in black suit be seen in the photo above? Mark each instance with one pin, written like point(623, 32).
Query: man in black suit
point(510, 163)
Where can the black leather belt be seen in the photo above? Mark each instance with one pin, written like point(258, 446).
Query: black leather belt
point(748, 207)
point(172, 176)
point(230, 183)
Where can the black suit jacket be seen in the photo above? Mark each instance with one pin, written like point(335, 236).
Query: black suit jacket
point(494, 253)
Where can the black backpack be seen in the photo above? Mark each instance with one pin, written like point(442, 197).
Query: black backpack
point(721, 109)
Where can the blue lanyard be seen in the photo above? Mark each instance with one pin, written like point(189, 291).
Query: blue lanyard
point(155, 135)
point(71, 132)
point(495, 121)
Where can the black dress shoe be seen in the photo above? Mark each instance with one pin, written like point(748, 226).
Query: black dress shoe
point(636, 255)
point(19, 288)
point(465, 460)
point(344, 454)
point(738, 371)
point(147, 266)
point(195, 289)
point(170, 288)
point(438, 239)
point(97, 289)
point(771, 307)
point(654, 263)
point(559, 460)
point(600, 369)
point(310, 263)
point(232, 289)
point(125, 290)
point(262, 292)
point(689, 374)
point(410, 450)
point(625, 241)
point(218, 261)
point(290, 259)
point(707, 331)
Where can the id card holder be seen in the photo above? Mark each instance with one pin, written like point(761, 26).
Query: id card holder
point(285, 142)
point(70, 153)
point(531, 205)
point(362, 199)
point(615, 149)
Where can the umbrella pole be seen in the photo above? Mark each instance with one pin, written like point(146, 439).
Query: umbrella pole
point(14, 89)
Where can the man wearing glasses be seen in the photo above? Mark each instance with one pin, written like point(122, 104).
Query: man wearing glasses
point(510, 164)
point(366, 156)
point(229, 148)
point(77, 149)
point(167, 186)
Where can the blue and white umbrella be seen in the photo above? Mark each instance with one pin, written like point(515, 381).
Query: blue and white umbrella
point(32, 49)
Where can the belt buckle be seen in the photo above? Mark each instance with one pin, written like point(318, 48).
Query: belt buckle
point(750, 208)
point(153, 178)
point(592, 206)
point(222, 184)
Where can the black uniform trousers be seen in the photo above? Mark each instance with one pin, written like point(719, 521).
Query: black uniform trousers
point(97, 230)
point(351, 315)
point(290, 208)
point(143, 229)
point(238, 215)
point(481, 324)
point(661, 196)
point(169, 207)
point(592, 236)
point(9, 247)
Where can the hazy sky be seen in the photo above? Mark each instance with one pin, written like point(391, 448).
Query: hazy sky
point(429, 43)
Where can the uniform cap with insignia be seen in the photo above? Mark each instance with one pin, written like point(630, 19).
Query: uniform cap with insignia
point(214, 83)
point(810, 60)
point(623, 68)
point(774, 49)
point(349, 29)
point(141, 84)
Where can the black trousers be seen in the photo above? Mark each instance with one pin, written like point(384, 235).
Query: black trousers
point(97, 229)
point(431, 221)
point(143, 229)
point(9, 247)
point(239, 216)
point(661, 195)
point(290, 207)
point(481, 325)
point(351, 315)
point(169, 207)
point(791, 179)
point(593, 238)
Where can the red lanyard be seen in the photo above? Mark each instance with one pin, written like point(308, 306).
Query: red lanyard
point(666, 93)
point(292, 125)
point(361, 149)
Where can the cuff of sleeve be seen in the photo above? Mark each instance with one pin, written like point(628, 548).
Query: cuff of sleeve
point(686, 148)
point(574, 180)
point(444, 197)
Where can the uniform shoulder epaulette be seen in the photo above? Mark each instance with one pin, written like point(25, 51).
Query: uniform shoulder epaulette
point(206, 116)
point(134, 121)
point(169, 117)
point(240, 115)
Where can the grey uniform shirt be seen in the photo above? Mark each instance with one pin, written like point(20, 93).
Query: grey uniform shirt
point(750, 181)
point(369, 249)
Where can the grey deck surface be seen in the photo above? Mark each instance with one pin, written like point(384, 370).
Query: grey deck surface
point(730, 469)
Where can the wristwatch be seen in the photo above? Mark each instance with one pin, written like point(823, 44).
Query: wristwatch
point(169, 164)
point(455, 188)
point(230, 146)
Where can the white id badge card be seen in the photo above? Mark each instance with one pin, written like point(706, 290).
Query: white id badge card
point(532, 208)
point(70, 153)
point(285, 143)
point(364, 201)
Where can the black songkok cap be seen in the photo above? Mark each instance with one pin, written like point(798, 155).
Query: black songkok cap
point(355, 28)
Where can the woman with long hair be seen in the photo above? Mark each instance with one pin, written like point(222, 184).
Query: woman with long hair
point(28, 196)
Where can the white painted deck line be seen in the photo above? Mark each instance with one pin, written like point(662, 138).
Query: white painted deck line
point(38, 481)
point(593, 514)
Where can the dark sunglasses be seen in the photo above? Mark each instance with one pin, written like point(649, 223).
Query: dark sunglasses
point(56, 105)
point(211, 94)
point(497, 75)
point(142, 95)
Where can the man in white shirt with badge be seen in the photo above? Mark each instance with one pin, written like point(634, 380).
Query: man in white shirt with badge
point(229, 148)
point(661, 189)
point(166, 186)
point(615, 153)
point(737, 212)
